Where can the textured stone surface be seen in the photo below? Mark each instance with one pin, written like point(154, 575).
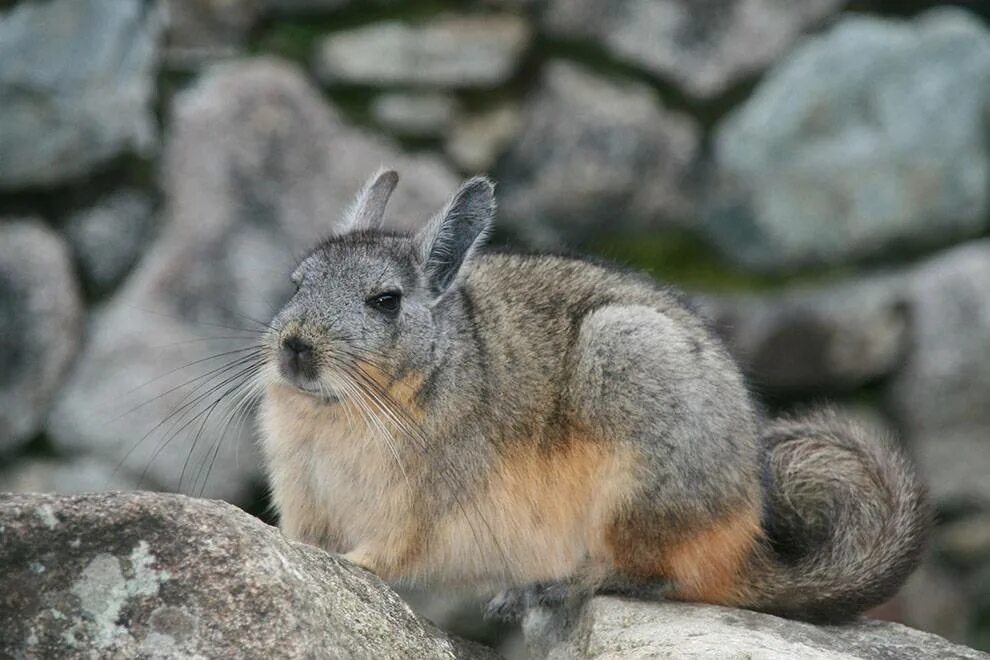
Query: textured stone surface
point(203, 30)
point(77, 83)
point(616, 628)
point(596, 155)
point(476, 141)
point(870, 136)
point(704, 47)
point(449, 50)
point(257, 169)
point(40, 325)
point(831, 338)
point(140, 574)
point(941, 394)
point(108, 238)
point(414, 115)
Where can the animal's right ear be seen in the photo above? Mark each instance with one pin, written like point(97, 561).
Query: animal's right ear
point(368, 209)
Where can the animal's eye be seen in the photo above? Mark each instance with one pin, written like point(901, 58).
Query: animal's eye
point(387, 302)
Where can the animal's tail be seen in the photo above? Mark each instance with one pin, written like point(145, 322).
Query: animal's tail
point(846, 520)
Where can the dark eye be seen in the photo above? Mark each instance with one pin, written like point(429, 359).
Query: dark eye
point(387, 302)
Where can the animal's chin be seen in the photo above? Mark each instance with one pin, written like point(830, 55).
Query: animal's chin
point(322, 394)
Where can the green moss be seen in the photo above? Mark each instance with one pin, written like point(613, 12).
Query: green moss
point(682, 258)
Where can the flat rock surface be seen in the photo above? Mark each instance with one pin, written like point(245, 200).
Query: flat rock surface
point(618, 628)
point(142, 574)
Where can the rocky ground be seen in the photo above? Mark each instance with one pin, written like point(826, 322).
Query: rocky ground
point(815, 174)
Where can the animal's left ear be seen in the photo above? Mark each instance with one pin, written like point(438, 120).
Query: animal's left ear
point(368, 209)
point(453, 234)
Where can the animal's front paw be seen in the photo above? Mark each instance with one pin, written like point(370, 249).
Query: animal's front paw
point(362, 559)
point(508, 605)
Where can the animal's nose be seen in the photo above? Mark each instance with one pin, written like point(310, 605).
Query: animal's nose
point(297, 357)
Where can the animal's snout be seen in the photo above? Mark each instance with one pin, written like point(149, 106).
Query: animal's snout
point(296, 359)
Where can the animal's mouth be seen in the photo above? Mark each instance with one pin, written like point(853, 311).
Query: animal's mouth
point(317, 392)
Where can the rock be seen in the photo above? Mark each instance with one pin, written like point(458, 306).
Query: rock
point(447, 51)
point(256, 170)
point(940, 395)
point(141, 574)
point(966, 542)
point(78, 474)
point(616, 628)
point(203, 30)
point(77, 83)
point(40, 325)
point(811, 339)
point(596, 155)
point(933, 600)
point(108, 238)
point(869, 137)
point(476, 141)
point(704, 47)
point(414, 114)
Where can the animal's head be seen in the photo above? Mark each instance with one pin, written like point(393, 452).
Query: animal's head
point(366, 299)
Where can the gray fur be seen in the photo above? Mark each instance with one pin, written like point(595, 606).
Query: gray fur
point(516, 352)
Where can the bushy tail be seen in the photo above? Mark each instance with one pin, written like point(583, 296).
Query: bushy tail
point(846, 520)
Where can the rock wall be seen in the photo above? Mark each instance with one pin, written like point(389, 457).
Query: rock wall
point(815, 174)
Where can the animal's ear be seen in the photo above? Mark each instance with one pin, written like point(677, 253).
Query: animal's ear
point(368, 208)
point(456, 231)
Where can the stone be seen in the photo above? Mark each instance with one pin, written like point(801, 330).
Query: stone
point(77, 79)
point(151, 575)
point(703, 47)
point(477, 140)
point(933, 600)
point(596, 155)
point(420, 115)
point(200, 31)
point(966, 542)
point(40, 325)
point(610, 627)
point(76, 474)
point(866, 139)
point(449, 50)
point(940, 394)
point(826, 338)
point(257, 169)
point(108, 238)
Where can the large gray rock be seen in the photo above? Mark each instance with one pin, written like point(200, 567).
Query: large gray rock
point(257, 169)
point(704, 47)
point(823, 338)
point(941, 394)
point(869, 137)
point(616, 628)
point(40, 325)
point(77, 83)
point(450, 50)
point(596, 155)
point(109, 237)
point(145, 575)
point(477, 140)
point(421, 115)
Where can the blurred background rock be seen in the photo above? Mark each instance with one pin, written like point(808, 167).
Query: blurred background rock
point(816, 174)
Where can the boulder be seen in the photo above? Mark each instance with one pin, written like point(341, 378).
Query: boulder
point(77, 79)
point(596, 155)
point(149, 575)
point(617, 628)
point(75, 474)
point(477, 140)
point(825, 338)
point(940, 395)
point(703, 47)
point(258, 168)
point(450, 50)
point(866, 139)
point(40, 325)
point(109, 237)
